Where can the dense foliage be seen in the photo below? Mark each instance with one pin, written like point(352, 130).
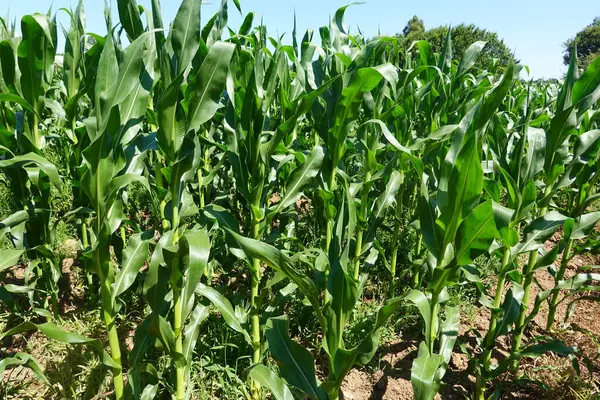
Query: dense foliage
point(463, 36)
point(587, 42)
point(213, 173)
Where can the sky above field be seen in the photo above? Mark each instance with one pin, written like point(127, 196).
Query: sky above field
point(535, 29)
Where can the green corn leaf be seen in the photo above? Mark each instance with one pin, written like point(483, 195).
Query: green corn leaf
point(9, 258)
point(465, 186)
point(185, 33)
point(301, 177)
point(584, 225)
point(208, 85)
point(271, 381)
point(295, 361)
point(588, 83)
point(8, 66)
point(192, 330)
point(142, 341)
point(31, 58)
point(561, 125)
point(535, 156)
point(344, 293)
point(366, 349)
point(427, 217)
point(26, 360)
point(130, 18)
point(424, 372)
point(495, 97)
point(31, 158)
point(475, 234)
point(586, 149)
point(470, 57)
point(448, 336)
point(198, 245)
point(225, 308)
point(347, 108)
point(383, 202)
point(511, 310)
point(422, 302)
point(16, 219)
point(281, 263)
point(13, 98)
point(170, 133)
point(134, 256)
point(127, 79)
point(537, 232)
point(533, 351)
point(426, 56)
point(133, 107)
point(107, 70)
point(223, 217)
point(564, 100)
point(16, 289)
point(445, 61)
point(161, 329)
point(149, 392)
point(418, 164)
point(60, 335)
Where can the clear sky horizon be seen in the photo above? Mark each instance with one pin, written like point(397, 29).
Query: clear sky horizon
point(534, 29)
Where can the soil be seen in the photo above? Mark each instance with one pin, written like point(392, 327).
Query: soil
point(549, 376)
point(388, 375)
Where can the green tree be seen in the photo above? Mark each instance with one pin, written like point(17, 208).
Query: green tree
point(465, 35)
point(414, 30)
point(587, 42)
point(462, 37)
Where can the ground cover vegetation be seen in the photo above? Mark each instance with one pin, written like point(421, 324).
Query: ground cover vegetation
point(189, 210)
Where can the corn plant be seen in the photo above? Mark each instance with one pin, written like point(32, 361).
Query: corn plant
point(316, 162)
point(295, 362)
point(181, 255)
point(27, 70)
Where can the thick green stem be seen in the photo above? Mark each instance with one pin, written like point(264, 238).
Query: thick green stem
point(480, 387)
point(123, 235)
point(489, 338)
point(84, 235)
point(55, 307)
point(417, 267)
point(329, 233)
point(255, 317)
point(200, 188)
point(177, 329)
point(35, 133)
point(363, 214)
point(113, 339)
point(328, 236)
point(528, 279)
point(520, 328)
point(85, 244)
point(566, 256)
point(432, 327)
point(256, 339)
point(175, 222)
point(359, 237)
point(178, 309)
point(394, 259)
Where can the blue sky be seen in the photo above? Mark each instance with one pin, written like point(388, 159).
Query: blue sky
point(535, 29)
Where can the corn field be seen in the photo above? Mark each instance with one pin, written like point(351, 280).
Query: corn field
point(266, 209)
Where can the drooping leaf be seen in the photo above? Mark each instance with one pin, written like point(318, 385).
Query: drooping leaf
point(475, 234)
point(134, 256)
point(271, 381)
point(208, 85)
point(296, 364)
